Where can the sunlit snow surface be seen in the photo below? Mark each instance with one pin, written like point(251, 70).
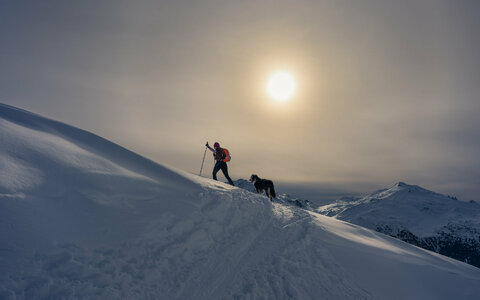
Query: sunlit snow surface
point(81, 217)
point(405, 206)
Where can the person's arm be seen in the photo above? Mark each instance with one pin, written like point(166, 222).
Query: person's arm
point(208, 146)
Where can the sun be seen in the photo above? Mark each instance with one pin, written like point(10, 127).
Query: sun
point(281, 86)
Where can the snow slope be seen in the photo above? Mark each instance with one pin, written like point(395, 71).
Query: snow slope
point(418, 216)
point(422, 211)
point(280, 198)
point(81, 217)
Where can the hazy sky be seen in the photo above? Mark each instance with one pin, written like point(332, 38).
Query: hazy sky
point(386, 90)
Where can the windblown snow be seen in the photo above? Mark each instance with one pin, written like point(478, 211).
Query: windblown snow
point(81, 217)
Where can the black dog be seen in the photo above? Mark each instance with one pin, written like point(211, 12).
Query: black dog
point(262, 185)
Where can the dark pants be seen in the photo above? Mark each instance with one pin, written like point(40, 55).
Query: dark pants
point(221, 165)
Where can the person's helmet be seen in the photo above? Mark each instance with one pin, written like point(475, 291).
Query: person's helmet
point(216, 145)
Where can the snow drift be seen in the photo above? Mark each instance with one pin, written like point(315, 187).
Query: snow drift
point(82, 217)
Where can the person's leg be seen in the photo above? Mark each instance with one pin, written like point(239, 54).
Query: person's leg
point(215, 169)
point(224, 168)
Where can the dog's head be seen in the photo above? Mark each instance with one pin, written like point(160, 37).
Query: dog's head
point(254, 178)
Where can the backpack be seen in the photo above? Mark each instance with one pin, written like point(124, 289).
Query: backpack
point(227, 155)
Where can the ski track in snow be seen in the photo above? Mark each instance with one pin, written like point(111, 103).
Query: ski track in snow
point(186, 253)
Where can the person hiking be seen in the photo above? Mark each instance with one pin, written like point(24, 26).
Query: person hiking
point(221, 156)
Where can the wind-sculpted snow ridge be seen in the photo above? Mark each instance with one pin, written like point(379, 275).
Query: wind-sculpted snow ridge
point(418, 216)
point(83, 218)
point(281, 198)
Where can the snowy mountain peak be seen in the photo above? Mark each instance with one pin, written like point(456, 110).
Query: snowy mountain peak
point(416, 215)
point(401, 191)
point(402, 186)
point(416, 206)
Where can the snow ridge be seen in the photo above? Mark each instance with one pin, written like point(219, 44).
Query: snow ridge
point(83, 218)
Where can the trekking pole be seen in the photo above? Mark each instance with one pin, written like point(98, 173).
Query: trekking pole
point(204, 153)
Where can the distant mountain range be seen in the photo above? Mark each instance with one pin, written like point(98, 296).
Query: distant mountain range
point(417, 216)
